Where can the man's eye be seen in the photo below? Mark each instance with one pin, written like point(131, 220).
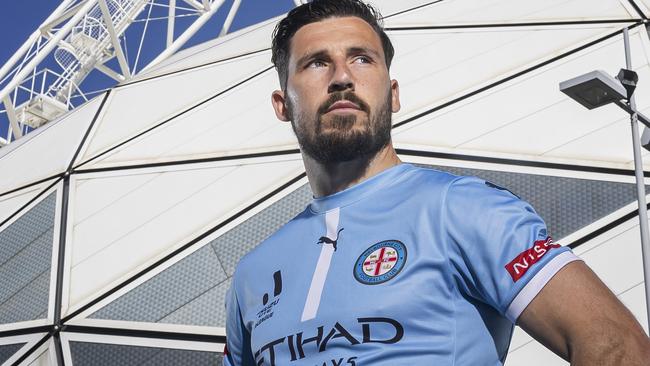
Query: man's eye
point(363, 60)
point(316, 63)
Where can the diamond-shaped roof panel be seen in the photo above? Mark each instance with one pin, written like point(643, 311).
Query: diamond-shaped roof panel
point(466, 12)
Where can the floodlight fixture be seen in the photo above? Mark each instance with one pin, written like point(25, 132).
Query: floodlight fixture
point(628, 79)
point(597, 88)
point(594, 89)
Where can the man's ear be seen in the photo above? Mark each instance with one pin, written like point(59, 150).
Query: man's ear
point(279, 105)
point(394, 92)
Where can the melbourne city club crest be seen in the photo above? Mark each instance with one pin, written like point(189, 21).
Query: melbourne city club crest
point(380, 263)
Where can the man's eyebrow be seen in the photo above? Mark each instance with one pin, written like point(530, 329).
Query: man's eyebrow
point(363, 50)
point(312, 55)
point(352, 51)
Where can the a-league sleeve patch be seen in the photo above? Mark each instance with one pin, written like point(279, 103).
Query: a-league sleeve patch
point(518, 267)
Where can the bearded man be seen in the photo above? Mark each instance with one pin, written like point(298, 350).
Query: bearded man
point(391, 264)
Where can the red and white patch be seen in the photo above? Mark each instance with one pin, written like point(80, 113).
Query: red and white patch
point(380, 261)
point(526, 259)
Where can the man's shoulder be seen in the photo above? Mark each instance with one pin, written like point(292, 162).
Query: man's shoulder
point(470, 189)
point(427, 180)
point(433, 175)
point(454, 189)
point(428, 177)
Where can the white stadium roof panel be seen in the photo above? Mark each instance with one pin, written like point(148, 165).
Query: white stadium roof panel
point(389, 8)
point(616, 256)
point(11, 348)
point(47, 357)
point(612, 143)
point(132, 109)
point(11, 203)
point(253, 39)
point(634, 299)
point(189, 289)
point(247, 40)
point(534, 117)
point(49, 152)
point(531, 353)
point(224, 126)
point(457, 12)
point(436, 66)
point(102, 230)
point(43, 355)
point(645, 6)
point(552, 132)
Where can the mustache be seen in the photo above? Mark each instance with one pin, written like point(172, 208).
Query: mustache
point(346, 95)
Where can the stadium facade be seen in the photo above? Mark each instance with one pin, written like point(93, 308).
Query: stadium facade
point(121, 223)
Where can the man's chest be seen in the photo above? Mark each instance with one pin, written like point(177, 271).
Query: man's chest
point(333, 293)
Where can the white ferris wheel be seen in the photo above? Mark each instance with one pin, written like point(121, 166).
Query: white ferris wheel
point(118, 39)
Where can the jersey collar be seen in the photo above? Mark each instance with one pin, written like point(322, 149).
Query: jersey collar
point(358, 191)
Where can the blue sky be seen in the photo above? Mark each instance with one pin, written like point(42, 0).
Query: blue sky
point(19, 18)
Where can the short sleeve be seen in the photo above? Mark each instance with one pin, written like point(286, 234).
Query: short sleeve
point(499, 247)
point(237, 351)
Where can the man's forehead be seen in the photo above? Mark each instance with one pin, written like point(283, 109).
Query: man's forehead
point(334, 33)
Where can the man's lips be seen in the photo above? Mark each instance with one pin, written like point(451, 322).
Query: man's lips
point(343, 105)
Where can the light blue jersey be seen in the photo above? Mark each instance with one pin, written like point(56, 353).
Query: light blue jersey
point(410, 267)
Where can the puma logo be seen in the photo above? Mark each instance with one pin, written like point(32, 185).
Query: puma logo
point(325, 239)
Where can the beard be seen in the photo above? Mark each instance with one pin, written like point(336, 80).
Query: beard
point(344, 140)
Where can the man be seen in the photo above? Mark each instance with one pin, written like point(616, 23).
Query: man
point(392, 264)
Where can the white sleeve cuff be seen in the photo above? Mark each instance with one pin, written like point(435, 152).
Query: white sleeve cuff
point(535, 285)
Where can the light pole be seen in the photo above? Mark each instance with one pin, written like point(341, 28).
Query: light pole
point(596, 89)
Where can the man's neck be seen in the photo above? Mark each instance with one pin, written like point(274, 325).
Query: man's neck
point(326, 179)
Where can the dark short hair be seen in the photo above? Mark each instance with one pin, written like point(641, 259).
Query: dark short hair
point(316, 11)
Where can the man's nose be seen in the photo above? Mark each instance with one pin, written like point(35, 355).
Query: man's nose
point(341, 79)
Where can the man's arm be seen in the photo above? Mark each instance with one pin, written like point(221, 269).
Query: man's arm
point(237, 351)
point(576, 316)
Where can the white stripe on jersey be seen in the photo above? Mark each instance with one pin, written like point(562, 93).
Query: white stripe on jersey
point(322, 267)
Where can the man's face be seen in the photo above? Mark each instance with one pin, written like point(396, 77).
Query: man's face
point(338, 94)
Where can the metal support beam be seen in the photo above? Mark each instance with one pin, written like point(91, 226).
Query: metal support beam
point(640, 116)
point(115, 40)
point(195, 4)
point(231, 16)
point(32, 38)
point(110, 73)
point(22, 74)
point(58, 350)
point(13, 119)
point(640, 183)
point(189, 32)
point(45, 28)
point(171, 18)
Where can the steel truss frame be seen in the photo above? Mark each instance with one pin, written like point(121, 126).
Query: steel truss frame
point(43, 79)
